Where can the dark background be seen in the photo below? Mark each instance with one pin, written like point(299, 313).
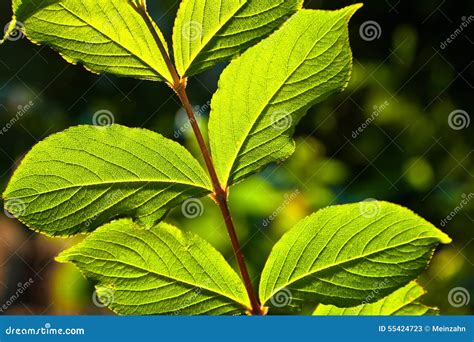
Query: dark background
point(408, 155)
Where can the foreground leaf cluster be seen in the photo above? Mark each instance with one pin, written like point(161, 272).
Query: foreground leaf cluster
point(118, 183)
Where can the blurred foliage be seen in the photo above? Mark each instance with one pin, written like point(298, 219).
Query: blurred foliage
point(403, 89)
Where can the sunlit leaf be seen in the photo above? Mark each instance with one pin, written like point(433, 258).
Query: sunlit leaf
point(79, 179)
point(106, 36)
point(209, 31)
point(347, 254)
point(160, 270)
point(263, 94)
point(403, 302)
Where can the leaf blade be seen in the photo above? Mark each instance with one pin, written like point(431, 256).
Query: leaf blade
point(81, 178)
point(204, 36)
point(160, 270)
point(302, 63)
point(105, 36)
point(403, 302)
point(339, 255)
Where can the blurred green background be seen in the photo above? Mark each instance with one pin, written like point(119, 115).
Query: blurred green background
point(407, 80)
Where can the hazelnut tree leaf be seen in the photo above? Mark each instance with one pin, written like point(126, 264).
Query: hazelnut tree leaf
point(346, 254)
point(263, 94)
point(106, 36)
point(77, 180)
point(403, 302)
point(210, 31)
point(160, 270)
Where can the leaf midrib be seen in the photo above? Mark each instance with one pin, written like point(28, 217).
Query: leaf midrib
point(111, 183)
point(193, 57)
point(238, 301)
point(156, 72)
point(267, 103)
point(328, 267)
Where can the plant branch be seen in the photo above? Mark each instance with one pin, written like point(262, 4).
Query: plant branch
point(220, 197)
point(220, 194)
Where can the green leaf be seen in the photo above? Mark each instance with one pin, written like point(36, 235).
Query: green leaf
point(79, 179)
point(344, 255)
point(403, 302)
point(263, 94)
point(157, 271)
point(106, 36)
point(210, 31)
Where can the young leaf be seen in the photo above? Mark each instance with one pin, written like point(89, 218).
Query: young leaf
point(344, 255)
point(160, 270)
point(403, 302)
point(210, 31)
point(264, 93)
point(79, 179)
point(107, 36)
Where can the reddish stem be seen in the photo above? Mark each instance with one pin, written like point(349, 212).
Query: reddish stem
point(220, 194)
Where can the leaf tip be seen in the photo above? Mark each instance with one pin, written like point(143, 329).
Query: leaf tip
point(63, 257)
point(352, 9)
point(444, 238)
